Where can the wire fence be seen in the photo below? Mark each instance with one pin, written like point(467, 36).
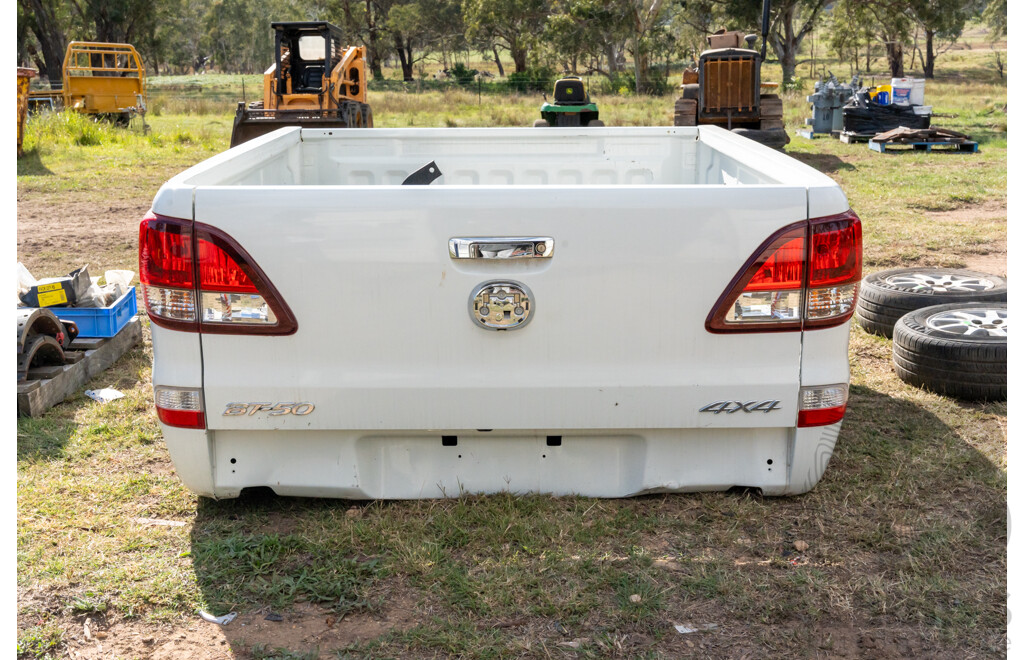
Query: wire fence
point(220, 96)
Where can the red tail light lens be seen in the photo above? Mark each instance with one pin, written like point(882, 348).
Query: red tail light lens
point(835, 270)
point(767, 293)
point(218, 271)
point(166, 271)
point(165, 252)
point(783, 266)
point(197, 278)
point(804, 276)
point(836, 250)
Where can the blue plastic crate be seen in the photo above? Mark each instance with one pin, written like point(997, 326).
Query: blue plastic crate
point(101, 321)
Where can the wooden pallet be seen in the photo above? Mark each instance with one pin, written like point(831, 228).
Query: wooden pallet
point(882, 147)
point(86, 357)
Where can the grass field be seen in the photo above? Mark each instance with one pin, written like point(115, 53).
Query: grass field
point(905, 535)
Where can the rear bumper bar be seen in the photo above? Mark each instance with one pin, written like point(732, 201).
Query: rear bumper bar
point(422, 465)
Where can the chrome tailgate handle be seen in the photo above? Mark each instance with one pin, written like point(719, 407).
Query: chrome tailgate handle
point(502, 247)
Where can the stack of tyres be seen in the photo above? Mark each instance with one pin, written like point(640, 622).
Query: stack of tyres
point(948, 326)
point(958, 350)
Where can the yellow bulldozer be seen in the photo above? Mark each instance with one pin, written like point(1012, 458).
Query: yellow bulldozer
point(316, 82)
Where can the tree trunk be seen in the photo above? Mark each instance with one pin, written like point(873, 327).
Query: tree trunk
point(519, 58)
point(894, 55)
point(404, 50)
point(408, 73)
point(497, 60)
point(50, 38)
point(915, 50)
point(638, 67)
point(373, 50)
point(613, 64)
point(929, 51)
point(789, 45)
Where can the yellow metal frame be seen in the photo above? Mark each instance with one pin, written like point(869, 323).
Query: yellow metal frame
point(24, 76)
point(347, 80)
point(104, 89)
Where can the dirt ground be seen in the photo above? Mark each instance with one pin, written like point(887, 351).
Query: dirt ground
point(994, 262)
point(50, 227)
point(310, 628)
point(303, 627)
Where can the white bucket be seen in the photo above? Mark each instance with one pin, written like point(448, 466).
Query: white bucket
point(917, 93)
point(901, 89)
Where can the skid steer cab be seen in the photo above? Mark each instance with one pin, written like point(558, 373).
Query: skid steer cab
point(571, 107)
point(315, 81)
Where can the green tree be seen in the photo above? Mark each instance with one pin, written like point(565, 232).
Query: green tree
point(893, 21)
point(119, 21)
point(509, 24)
point(643, 18)
point(446, 31)
point(585, 31)
point(409, 29)
point(51, 23)
point(238, 34)
point(180, 38)
point(850, 32)
point(791, 22)
point(994, 16)
point(942, 22)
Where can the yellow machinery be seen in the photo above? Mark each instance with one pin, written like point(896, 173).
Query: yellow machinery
point(24, 76)
point(105, 79)
point(315, 82)
point(726, 88)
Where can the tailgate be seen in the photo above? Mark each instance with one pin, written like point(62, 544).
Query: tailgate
point(616, 340)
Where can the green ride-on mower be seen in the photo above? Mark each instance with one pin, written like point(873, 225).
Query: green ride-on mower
point(571, 107)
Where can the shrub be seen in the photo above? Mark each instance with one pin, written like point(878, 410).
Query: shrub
point(462, 74)
point(533, 79)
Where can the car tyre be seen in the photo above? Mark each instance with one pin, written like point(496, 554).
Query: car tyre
point(887, 295)
point(958, 350)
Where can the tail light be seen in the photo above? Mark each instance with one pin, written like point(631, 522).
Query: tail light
point(822, 405)
point(804, 276)
point(181, 407)
point(196, 278)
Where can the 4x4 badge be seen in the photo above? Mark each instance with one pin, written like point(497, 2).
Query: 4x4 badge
point(746, 406)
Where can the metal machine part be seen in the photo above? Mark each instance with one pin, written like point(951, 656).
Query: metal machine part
point(501, 305)
point(32, 321)
point(39, 350)
point(827, 103)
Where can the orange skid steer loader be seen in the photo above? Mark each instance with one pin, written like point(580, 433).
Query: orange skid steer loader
point(315, 82)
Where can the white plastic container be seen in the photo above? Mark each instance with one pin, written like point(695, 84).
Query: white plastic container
point(901, 89)
point(908, 91)
point(917, 93)
point(922, 110)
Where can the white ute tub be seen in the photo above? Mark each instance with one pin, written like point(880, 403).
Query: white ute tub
point(671, 313)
